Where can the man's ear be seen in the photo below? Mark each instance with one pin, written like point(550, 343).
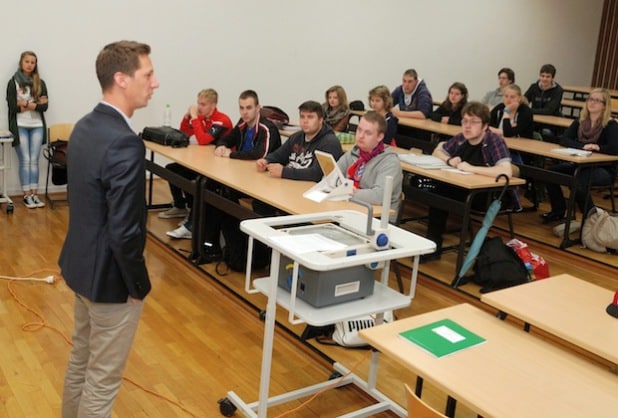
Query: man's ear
point(120, 79)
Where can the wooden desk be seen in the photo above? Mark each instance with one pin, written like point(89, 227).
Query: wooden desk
point(573, 104)
point(583, 91)
point(566, 307)
point(242, 176)
point(545, 149)
point(472, 183)
point(549, 120)
point(512, 374)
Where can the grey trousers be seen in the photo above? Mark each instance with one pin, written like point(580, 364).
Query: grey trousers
point(102, 339)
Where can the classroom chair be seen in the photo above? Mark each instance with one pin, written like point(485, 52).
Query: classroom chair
point(55, 153)
point(417, 408)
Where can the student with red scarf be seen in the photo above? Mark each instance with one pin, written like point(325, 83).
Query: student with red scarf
point(370, 161)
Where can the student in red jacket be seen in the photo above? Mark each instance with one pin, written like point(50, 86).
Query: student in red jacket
point(204, 124)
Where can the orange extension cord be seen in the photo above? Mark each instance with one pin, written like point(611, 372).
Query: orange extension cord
point(42, 323)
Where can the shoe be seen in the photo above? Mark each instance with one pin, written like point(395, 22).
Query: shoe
point(174, 212)
point(37, 201)
point(184, 220)
point(552, 217)
point(425, 258)
point(29, 202)
point(180, 233)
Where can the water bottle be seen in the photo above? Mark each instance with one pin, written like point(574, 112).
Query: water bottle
point(167, 115)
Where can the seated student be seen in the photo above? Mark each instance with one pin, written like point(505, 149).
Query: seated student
point(594, 131)
point(545, 95)
point(412, 99)
point(203, 123)
point(449, 111)
point(336, 109)
point(475, 150)
point(253, 137)
point(295, 158)
point(370, 161)
point(513, 117)
point(493, 98)
point(381, 101)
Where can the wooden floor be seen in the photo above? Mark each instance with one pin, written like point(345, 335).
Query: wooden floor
point(200, 335)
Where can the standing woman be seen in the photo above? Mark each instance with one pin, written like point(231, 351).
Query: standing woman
point(595, 131)
point(26, 95)
point(336, 109)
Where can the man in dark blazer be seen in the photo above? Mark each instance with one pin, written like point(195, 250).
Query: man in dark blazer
point(102, 258)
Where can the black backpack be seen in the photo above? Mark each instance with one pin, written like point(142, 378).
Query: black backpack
point(235, 250)
point(498, 266)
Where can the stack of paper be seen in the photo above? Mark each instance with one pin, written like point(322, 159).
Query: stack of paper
point(423, 161)
point(574, 152)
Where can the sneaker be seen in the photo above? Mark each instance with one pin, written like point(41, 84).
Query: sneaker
point(174, 212)
point(29, 202)
point(37, 201)
point(180, 233)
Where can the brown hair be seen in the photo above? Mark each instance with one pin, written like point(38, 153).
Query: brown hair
point(383, 93)
point(343, 98)
point(249, 94)
point(35, 91)
point(477, 109)
point(121, 56)
point(374, 117)
point(313, 107)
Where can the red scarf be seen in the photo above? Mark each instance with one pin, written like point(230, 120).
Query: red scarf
point(356, 170)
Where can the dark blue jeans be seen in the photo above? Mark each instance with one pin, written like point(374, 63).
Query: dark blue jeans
point(594, 176)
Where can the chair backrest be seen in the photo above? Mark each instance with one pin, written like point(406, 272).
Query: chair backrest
point(59, 132)
point(419, 409)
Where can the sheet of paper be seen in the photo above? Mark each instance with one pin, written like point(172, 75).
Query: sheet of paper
point(456, 170)
point(307, 243)
point(573, 152)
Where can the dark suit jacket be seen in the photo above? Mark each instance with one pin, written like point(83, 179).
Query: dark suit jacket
point(102, 257)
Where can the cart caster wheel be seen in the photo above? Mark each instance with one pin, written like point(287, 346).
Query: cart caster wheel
point(10, 209)
point(226, 407)
point(262, 315)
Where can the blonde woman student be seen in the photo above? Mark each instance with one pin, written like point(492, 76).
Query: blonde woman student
point(26, 96)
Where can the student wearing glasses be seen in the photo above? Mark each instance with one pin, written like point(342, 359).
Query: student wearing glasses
point(594, 131)
point(475, 150)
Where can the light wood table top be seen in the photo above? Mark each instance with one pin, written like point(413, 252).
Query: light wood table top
point(558, 121)
point(511, 374)
point(466, 181)
point(586, 90)
point(567, 307)
point(545, 149)
point(242, 175)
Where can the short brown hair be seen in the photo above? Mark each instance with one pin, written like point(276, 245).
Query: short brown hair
point(121, 56)
point(411, 72)
point(477, 109)
point(372, 116)
point(249, 94)
point(312, 106)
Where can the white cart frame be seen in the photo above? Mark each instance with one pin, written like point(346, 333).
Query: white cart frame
point(402, 244)
point(5, 140)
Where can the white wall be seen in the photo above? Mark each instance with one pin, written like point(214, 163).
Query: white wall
point(291, 51)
